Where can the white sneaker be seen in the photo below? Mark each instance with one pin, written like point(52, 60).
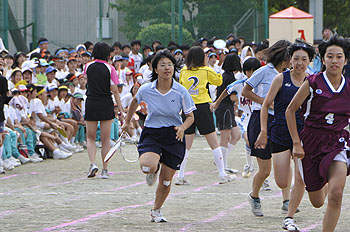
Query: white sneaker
point(2, 171)
point(104, 174)
point(92, 170)
point(62, 148)
point(266, 186)
point(181, 181)
point(255, 205)
point(8, 166)
point(248, 170)
point(112, 143)
point(37, 157)
point(157, 216)
point(15, 161)
point(58, 154)
point(68, 146)
point(231, 171)
point(151, 178)
point(84, 144)
point(23, 159)
point(98, 144)
point(289, 224)
point(227, 178)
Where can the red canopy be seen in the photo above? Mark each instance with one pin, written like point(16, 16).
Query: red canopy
point(291, 13)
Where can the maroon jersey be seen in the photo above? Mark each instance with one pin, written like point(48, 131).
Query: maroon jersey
point(327, 108)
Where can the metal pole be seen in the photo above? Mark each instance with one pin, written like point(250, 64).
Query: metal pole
point(180, 21)
point(25, 20)
point(266, 15)
point(316, 9)
point(100, 21)
point(173, 20)
point(5, 23)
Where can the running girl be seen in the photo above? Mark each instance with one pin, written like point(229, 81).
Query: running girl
point(281, 92)
point(322, 145)
point(162, 139)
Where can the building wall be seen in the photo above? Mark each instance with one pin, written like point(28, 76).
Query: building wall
point(67, 22)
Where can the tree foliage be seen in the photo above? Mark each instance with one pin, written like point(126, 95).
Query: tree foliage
point(162, 32)
point(202, 18)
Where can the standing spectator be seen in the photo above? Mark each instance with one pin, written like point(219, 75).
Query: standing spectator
point(326, 34)
point(135, 55)
point(102, 81)
point(3, 92)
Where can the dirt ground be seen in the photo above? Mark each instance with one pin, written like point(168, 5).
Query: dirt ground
point(55, 195)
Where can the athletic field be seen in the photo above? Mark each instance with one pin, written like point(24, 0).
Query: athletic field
point(55, 195)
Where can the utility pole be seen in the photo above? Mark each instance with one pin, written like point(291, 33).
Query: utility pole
point(100, 20)
point(316, 9)
point(266, 17)
point(173, 20)
point(4, 24)
point(180, 21)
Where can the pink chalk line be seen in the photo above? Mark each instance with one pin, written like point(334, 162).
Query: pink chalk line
point(15, 175)
point(103, 213)
point(6, 213)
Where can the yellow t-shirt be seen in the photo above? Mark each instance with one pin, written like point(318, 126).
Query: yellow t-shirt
point(195, 80)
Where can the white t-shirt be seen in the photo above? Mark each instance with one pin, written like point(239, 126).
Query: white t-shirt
point(137, 59)
point(126, 100)
point(37, 107)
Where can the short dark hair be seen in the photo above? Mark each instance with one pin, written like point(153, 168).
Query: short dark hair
point(232, 63)
point(87, 44)
point(159, 47)
point(278, 52)
point(146, 47)
point(101, 51)
point(160, 55)
point(156, 41)
point(195, 57)
point(251, 64)
point(134, 42)
point(309, 49)
point(338, 41)
point(43, 39)
point(117, 44)
point(126, 46)
point(185, 47)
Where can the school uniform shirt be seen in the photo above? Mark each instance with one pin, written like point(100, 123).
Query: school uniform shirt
point(195, 80)
point(51, 104)
point(261, 81)
point(126, 100)
point(164, 109)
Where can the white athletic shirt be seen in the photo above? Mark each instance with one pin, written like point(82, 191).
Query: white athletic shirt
point(244, 104)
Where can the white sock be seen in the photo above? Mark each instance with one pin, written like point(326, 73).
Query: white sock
point(230, 148)
point(72, 140)
point(181, 173)
point(219, 161)
point(224, 151)
point(139, 130)
point(1, 150)
point(248, 157)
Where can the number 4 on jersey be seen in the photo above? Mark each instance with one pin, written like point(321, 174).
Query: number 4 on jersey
point(330, 118)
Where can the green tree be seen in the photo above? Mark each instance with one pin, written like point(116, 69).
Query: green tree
point(162, 32)
point(202, 18)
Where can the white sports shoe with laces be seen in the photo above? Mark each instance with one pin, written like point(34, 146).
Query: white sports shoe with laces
point(157, 216)
point(289, 224)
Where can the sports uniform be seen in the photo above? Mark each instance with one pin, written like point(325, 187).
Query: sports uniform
point(196, 81)
point(324, 138)
point(159, 135)
point(99, 104)
point(279, 135)
point(261, 81)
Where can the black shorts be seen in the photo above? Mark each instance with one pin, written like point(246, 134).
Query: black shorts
point(163, 142)
point(276, 148)
point(203, 120)
point(253, 133)
point(225, 117)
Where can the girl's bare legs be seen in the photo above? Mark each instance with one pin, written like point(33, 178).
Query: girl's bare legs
point(91, 128)
point(105, 137)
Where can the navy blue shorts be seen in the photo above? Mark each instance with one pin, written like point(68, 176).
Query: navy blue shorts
point(253, 133)
point(163, 142)
point(2, 126)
